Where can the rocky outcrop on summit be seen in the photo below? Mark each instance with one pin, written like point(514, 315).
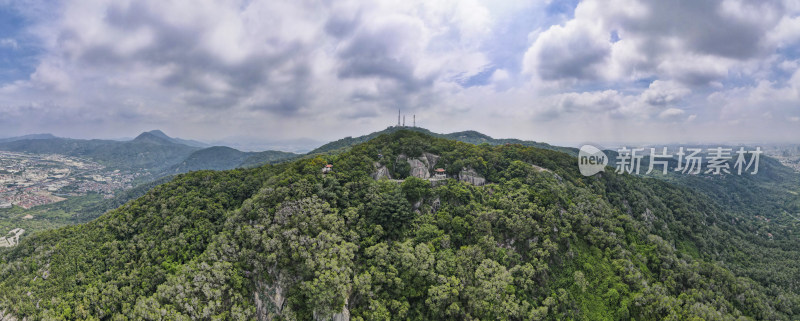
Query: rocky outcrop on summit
point(469, 175)
point(430, 159)
point(418, 168)
point(423, 166)
point(381, 171)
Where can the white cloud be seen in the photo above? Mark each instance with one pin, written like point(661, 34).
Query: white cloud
point(694, 43)
point(9, 43)
point(301, 68)
point(671, 114)
point(662, 93)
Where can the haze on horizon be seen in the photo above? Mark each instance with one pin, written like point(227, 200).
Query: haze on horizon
point(552, 71)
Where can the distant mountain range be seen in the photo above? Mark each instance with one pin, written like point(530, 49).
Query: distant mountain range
point(187, 142)
point(151, 151)
point(249, 143)
point(156, 152)
point(32, 136)
point(535, 240)
point(222, 158)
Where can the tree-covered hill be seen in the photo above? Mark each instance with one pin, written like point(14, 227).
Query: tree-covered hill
point(187, 142)
point(470, 136)
point(287, 242)
point(223, 158)
point(24, 137)
point(145, 152)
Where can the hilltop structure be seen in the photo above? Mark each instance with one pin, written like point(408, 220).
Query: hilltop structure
point(403, 122)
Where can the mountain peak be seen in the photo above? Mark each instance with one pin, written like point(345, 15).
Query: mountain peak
point(158, 133)
point(162, 138)
point(153, 138)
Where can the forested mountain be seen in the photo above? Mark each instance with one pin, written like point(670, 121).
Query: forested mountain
point(287, 241)
point(24, 137)
point(470, 136)
point(222, 158)
point(266, 157)
point(146, 152)
point(176, 140)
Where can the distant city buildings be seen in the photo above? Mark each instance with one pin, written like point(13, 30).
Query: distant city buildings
point(28, 180)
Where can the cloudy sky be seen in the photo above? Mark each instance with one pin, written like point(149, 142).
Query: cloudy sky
point(556, 71)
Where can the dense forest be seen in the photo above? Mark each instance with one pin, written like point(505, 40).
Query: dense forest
point(289, 242)
point(470, 136)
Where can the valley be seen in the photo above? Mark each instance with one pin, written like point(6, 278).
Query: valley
point(48, 181)
point(30, 180)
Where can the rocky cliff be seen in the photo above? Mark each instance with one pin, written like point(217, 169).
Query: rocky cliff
point(381, 172)
point(469, 175)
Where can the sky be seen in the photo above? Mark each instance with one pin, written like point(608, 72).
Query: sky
point(562, 72)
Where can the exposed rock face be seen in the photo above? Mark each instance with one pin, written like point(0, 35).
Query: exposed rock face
point(540, 169)
point(381, 172)
point(430, 159)
point(421, 166)
point(270, 302)
point(341, 316)
point(6, 317)
point(418, 168)
point(469, 175)
point(436, 204)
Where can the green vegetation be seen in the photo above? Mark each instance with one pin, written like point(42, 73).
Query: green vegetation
point(147, 151)
point(470, 136)
point(289, 242)
point(222, 158)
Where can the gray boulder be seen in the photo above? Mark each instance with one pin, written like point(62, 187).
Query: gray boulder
point(469, 175)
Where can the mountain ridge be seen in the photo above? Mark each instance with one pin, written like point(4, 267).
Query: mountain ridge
point(151, 151)
point(291, 241)
point(29, 136)
point(187, 142)
point(468, 136)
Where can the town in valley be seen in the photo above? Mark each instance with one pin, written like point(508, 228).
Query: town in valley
point(28, 180)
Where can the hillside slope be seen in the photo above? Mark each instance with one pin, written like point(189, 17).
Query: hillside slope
point(145, 152)
point(470, 136)
point(223, 158)
point(25, 137)
point(289, 242)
